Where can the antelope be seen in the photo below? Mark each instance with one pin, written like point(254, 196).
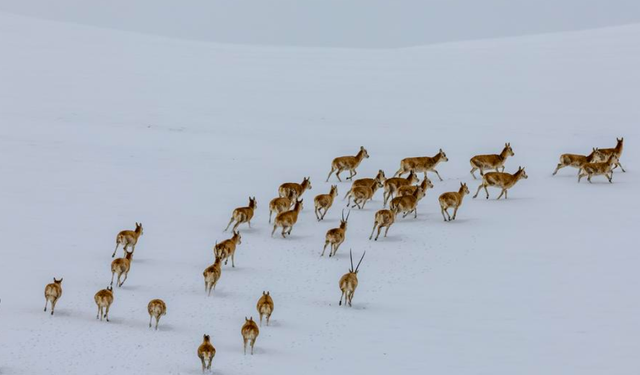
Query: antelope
point(250, 332)
point(347, 163)
point(577, 161)
point(360, 194)
point(287, 219)
point(324, 201)
point(227, 248)
point(452, 199)
point(491, 162)
point(335, 237)
point(206, 352)
point(156, 308)
point(407, 203)
point(265, 306)
point(52, 292)
point(104, 299)
point(383, 218)
point(422, 164)
point(280, 204)
point(121, 266)
point(374, 183)
point(617, 151)
point(504, 181)
point(410, 189)
point(349, 282)
point(128, 238)
point(294, 190)
point(243, 214)
point(212, 275)
point(599, 169)
point(391, 185)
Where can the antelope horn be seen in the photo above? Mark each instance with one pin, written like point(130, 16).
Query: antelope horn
point(348, 213)
point(358, 266)
point(351, 257)
point(342, 214)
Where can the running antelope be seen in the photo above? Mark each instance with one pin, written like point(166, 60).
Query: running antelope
point(121, 266)
point(577, 161)
point(422, 164)
point(250, 332)
point(374, 183)
point(407, 203)
point(335, 237)
point(349, 282)
point(491, 162)
point(212, 275)
point(104, 299)
point(617, 151)
point(452, 199)
point(156, 309)
point(52, 292)
point(293, 190)
point(383, 218)
point(280, 204)
point(599, 169)
point(206, 352)
point(410, 189)
point(243, 214)
point(392, 185)
point(265, 307)
point(287, 219)
point(504, 181)
point(348, 163)
point(227, 248)
point(360, 195)
point(324, 202)
point(128, 238)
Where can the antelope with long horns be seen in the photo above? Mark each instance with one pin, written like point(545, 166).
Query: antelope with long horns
point(227, 248)
point(422, 164)
point(52, 293)
point(392, 185)
point(206, 352)
point(104, 299)
point(348, 163)
point(452, 199)
point(383, 218)
point(335, 237)
point(265, 307)
point(407, 203)
point(243, 214)
point(211, 275)
point(491, 162)
point(250, 332)
point(617, 151)
point(599, 169)
point(287, 219)
point(121, 266)
point(501, 180)
point(349, 282)
point(128, 238)
point(293, 190)
point(156, 308)
point(324, 202)
point(577, 161)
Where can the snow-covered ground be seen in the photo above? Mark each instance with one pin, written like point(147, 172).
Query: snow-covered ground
point(100, 129)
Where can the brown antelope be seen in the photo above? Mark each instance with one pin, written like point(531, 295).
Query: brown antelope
point(599, 169)
point(294, 190)
point(121, 266)
point(374, 183)
point(407, 203)
point(410, 189)
point(128, 238)
point(392, 185)
point(348, 163)
point(360, 195)
point(504, 181)
point(383, 218)
point(324, 202)
point(265, 307)
point(104, 299)
point(577, 161)
point(349, 282)
point(250, 332)
point(156, 309)
point(227, 248)
point(335, 237)
point(452, 199)
point(206, 352)
point(243, 214)
point(52, 292)
point(280, 204)
point(617, 151)
point(287, 219)
point(422, 164)
point(491, 162)
point(212, 275)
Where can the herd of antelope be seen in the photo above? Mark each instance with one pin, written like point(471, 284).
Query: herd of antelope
point(401, 194)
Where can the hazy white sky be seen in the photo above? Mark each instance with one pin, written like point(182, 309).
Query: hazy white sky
point(336, 23)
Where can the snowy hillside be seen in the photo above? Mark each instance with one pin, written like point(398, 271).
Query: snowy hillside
point(100, 129)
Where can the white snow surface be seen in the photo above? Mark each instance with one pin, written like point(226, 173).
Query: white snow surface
point(101, 128)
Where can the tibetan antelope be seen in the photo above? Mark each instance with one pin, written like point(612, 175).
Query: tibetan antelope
point(104, 299)
point(504, 181)
point(349, 282)
point(243, 214)
point(52, 292)
point(407, 203)
point(335, 237)
point(452, 199)
point(128, 238)
point(383, 218)
point(206, 352)
point(422, 164)
point(347, 163)
point(250, 332)
point(392, 185)
point(265, 307)
point(491, 162)
point(280, 204)
point(410, 189)
point(324, 202)
point(617, 151)
point(156, 309)
point(287, 219)
point(121, 266)
point(212, 275)
point(227, 248)
point(374, 183)
point(577, 161)
point(599, 169)
point(293, 190)
point(360, 195)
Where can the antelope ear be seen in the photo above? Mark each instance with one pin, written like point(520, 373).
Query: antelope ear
point(245, 319)
point(440, 150)
point(267, 292)
point(62, 278)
